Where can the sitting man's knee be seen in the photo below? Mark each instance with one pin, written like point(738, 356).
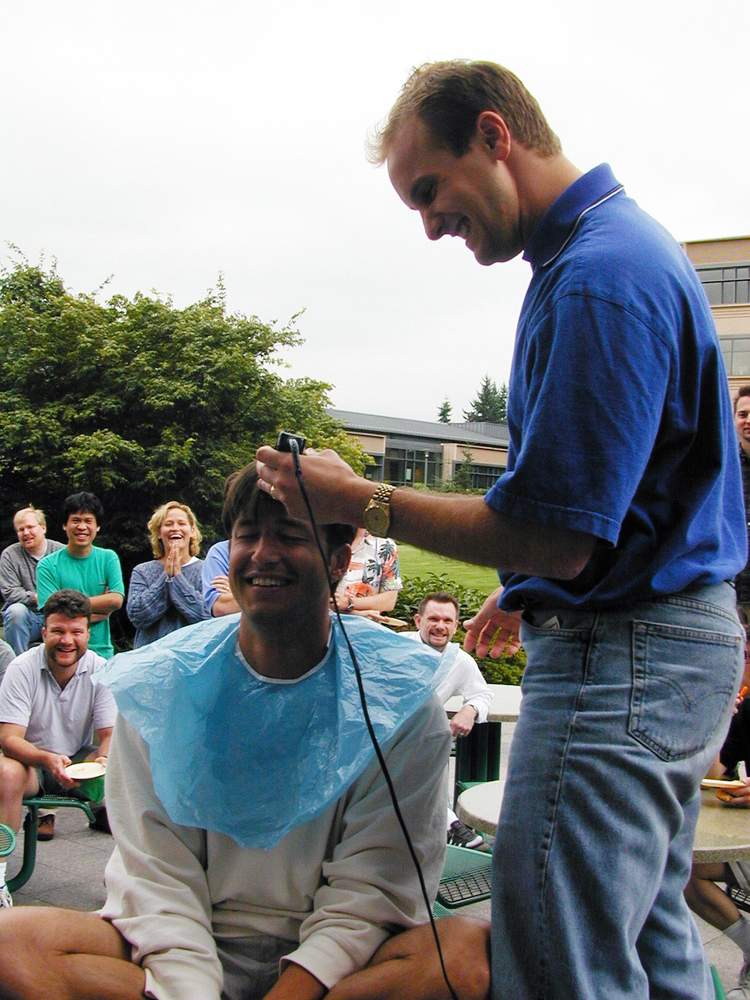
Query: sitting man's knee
point(466, 948)
point(17, 970)
point(12, 774)
point(15, 614)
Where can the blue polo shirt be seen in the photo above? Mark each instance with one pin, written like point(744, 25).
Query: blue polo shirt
point(619, 414)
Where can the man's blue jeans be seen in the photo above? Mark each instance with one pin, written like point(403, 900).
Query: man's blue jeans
point(21, 626)
point(623, 712)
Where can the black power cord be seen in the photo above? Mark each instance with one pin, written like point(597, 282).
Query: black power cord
point(290, 442)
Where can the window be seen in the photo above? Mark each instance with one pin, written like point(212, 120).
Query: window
point(726, 285)
point(412, 465)
point(736, 352)
point(482, 476)
point(375, 472)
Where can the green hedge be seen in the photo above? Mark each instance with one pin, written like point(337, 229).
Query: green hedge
point(506, 669)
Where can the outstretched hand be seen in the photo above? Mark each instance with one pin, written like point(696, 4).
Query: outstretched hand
point(492, 631)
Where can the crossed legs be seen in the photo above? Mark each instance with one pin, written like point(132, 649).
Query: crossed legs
point(79, 956)
point(407, 965)
point(49, 952)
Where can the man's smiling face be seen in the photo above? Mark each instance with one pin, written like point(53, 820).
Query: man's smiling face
point(65, 640)
point(275, 569)
point(437, 625)
point(81, 529)
point(31, 534)
point(471, 196)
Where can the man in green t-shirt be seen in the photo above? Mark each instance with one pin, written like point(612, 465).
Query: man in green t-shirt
point(80, 566)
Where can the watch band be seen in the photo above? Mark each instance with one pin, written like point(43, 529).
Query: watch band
point(377, 513)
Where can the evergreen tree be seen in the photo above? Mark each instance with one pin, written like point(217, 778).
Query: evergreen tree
point(490, 404)
point(444, 413)
point(462, 476)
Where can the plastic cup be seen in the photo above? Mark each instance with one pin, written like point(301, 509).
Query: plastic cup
point(90, 777)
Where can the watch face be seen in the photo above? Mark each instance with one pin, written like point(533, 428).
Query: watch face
point(376, 520)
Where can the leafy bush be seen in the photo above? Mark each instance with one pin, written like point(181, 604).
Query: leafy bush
point(140, 402)
point(505, 669)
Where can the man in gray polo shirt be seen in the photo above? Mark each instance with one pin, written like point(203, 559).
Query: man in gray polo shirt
point(50, 710)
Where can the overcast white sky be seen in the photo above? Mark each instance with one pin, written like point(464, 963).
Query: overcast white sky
point(165, 142)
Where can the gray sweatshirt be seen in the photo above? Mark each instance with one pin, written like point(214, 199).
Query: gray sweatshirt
point(18, 573)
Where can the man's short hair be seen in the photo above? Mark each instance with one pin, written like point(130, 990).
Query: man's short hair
point(439, 597)
point(31, 509)
point(744, 390)
point(83, 503)
point(243, 496)
point(71, 603)
point(157, 519)
point(448, 97)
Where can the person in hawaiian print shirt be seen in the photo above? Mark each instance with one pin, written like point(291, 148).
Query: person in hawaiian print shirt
point(373, 580)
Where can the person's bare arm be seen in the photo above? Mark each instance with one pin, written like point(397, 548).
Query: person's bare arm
point(383, 602)
point(461, 527)
point(296, 983)
point(103, 605)
point(104, 738)
point(13, 744)
point(225, 603)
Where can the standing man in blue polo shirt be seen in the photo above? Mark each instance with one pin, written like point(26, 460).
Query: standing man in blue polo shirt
point(615, 527)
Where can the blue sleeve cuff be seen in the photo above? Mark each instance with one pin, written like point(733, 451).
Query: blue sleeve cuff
point(538, 512)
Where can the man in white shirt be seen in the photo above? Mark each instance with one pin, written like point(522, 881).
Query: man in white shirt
point(257, 852)
point(50, 710)
point(437, 621)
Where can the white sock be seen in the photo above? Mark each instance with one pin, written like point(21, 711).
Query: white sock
point(2, 872)
point(739, 932)
point(451, 817)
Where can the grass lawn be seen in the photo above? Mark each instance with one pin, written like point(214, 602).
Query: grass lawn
point(417, 562)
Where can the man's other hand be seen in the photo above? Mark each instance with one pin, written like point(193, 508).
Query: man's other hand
point(463, 721)
point(493, 631)
point(56, 764)
point(735, 798)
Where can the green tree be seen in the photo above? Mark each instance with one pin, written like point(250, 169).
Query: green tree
point(490, 404)
point(140, 402)
point(444, 413)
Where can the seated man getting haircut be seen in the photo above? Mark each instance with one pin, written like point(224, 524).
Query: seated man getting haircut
point(257, 852)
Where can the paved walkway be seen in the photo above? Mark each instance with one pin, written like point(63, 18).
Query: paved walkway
point(70, 872)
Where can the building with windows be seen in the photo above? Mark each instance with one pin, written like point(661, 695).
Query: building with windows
point(723, 267)
point(420, 452)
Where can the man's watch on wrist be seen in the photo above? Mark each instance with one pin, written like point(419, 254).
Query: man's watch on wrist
point(377, 513)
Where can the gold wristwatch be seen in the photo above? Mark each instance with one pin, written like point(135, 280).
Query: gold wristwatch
point(377, 515)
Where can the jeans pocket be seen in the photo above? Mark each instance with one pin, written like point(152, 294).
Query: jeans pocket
point(683, 679)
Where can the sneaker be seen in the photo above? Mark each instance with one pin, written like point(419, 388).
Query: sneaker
point(46, 827)
point(742, 989)
point(6, 900)
point(461, 835)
